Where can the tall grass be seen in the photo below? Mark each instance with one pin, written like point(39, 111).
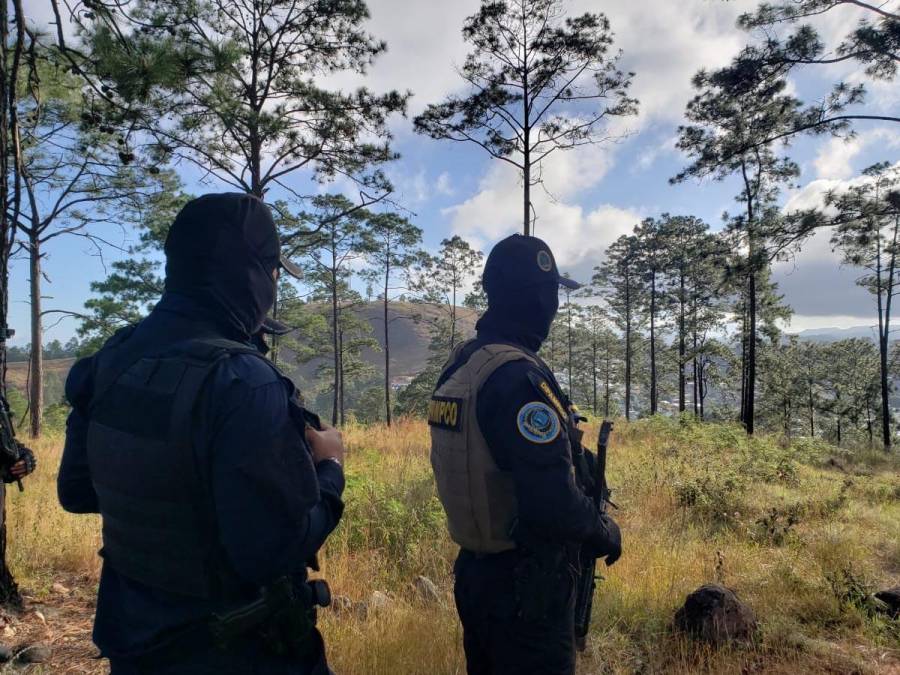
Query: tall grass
point(803, 532)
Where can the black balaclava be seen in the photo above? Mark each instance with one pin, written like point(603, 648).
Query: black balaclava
point(222, 251)
point(521, 281)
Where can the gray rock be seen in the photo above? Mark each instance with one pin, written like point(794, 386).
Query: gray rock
point(36, 653)
point(379, 602)
point(6, 653)
point(427, 590)
point(891, 599)
point(714, 614)
point(341, 604)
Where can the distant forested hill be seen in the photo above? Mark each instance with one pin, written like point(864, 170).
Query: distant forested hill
point(410, 337)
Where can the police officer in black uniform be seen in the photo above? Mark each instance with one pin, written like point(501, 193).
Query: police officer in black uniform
point(216, 488)
point(503, 439)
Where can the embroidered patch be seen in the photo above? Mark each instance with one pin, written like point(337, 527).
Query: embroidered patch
point(538, 423)
point(544, 261)
point(544, 387)
point(445, 413)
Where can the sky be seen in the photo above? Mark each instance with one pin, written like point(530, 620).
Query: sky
point(593, 194)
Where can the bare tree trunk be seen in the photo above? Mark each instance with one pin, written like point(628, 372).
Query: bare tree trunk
point(606, 389)
point(387, 348)
point(341, 378)
point(751, 359)
point(337, 350)
point(594, 375)
point(569, 339)
point(9, 590)
point(36, 379)
point(682, 350)
point(628, 354)
point(653, 385)
point(812, 412)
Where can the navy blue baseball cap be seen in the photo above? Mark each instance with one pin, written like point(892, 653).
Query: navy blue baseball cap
point(519, 261)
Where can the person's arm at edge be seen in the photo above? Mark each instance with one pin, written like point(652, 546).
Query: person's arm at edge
point(74, 488)
point(266, 488)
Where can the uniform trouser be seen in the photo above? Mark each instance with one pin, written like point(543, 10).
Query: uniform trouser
point(504, 633)
point(251, 658)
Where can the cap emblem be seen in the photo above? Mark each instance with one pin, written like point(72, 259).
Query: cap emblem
point(544, 261)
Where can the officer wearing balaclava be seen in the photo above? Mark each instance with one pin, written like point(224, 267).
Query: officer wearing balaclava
point(214, 492)
point(502, 448)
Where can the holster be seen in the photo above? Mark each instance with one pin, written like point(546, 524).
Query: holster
point(284, 617)
point(543, 578)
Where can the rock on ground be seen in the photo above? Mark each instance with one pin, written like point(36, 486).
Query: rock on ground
point(714, 614)
point(427, 590)
point(36, 653)
point(891, 598)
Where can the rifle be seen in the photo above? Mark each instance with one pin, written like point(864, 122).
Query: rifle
point(588, 576)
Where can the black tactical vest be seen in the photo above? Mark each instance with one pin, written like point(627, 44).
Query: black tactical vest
point(159, 525)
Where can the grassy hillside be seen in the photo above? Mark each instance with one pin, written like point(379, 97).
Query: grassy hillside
point(55, 372)
point(802, 533)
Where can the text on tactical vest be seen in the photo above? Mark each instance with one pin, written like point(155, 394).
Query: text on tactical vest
point(445, 413)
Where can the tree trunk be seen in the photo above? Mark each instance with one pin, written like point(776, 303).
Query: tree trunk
point(812, 413)
point(569, 339)
point(627, 351)
point(387, 350)
point(653, 391)
point(453, 318)
point(526, 197)
point(9, 590)
point(526, 155)
point(336, 348)
point(701, 387)
point(885, 392)
point(606, 385)
point(594, 376)
point(751, 359)
point(36, 377)
point(682, 350)
point(341, 379)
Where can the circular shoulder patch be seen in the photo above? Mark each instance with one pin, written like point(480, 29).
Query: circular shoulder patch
point(538, 423)
point(544, 261)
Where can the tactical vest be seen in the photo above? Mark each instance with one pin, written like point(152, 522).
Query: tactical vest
point(478, 497)
point(159, 523)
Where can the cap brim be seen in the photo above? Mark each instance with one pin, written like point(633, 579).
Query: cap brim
point(272, 326)
point(569, 283)
point(291, 268)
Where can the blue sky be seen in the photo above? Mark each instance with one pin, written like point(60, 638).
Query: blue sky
point(594, 194)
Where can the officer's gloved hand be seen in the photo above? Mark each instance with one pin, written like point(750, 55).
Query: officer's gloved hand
point(607, 541)
point(26, 465)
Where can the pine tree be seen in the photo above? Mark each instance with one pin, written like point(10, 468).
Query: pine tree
point(394, 243)
point(236, 88)
point(539, 82)
point(868, 235)
point(730, 119)
point(618, 280)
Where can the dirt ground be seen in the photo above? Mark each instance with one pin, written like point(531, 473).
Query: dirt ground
point(60, 621)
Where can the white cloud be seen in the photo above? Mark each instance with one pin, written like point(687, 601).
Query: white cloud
point(443, 185)
point(575, 235)
point(835, 158)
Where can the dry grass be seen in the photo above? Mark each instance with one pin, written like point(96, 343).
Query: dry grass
point(696, 507)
